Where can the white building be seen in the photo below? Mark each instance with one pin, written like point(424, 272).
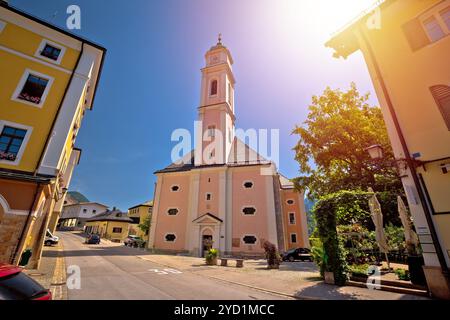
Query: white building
point(74, 215)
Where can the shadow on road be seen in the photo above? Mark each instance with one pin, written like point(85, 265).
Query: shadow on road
point(325, 291)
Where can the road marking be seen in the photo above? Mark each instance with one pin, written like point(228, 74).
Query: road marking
point(165, 271)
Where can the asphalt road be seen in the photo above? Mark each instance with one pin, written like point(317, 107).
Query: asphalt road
point(115, 272)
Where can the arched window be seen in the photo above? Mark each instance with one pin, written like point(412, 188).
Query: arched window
point(213, 90)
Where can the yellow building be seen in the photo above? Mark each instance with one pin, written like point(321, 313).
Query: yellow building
point(112, 225)
point(138, 214)
point(48, 79)
point(406, 45)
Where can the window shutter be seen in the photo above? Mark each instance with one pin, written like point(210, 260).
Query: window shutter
point(415, 34)
point(441, 94)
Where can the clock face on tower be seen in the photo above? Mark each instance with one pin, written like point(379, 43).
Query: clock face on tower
point(214, 59)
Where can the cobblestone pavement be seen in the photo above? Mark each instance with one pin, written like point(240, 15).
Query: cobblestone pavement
point(51, 273)
point(296, 279)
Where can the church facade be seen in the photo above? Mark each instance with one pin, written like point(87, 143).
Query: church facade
point(224, 193)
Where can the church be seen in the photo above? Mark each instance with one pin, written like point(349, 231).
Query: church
point(228, 197)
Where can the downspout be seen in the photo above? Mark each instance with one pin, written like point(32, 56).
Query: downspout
point(409, 160)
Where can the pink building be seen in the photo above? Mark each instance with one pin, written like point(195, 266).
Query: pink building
point(223, 190)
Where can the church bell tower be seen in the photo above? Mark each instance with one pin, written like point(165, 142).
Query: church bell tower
point(216, 110)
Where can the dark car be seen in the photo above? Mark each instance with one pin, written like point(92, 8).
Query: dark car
point(16, 285)
point(303, 254)
point(132, 241)
point(93, 239)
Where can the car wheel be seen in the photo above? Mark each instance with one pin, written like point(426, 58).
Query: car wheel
point(48, 243)
point(291, 259)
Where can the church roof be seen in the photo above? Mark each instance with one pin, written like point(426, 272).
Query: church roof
point(241, 155)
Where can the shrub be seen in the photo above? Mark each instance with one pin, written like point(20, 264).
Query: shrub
point(272, 255)
point(211, 256)
point(395, 237)
point(402, 274)
point(334, 253)
point(359, 270)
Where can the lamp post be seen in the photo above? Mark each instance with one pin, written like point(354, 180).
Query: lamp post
point(375, 151)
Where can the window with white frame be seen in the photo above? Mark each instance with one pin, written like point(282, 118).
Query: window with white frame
point(50, 51)
point(249, 211)
point(293, 238)
point(208, 196)
point(13, 140)
point(172, 211)
point(248, 184)
point(290, 201)
point(175, 188)
point(437, 23)
point(291, 218)
point(170, 237)
point(33, 88)
point(249, 239)
point(211, 131)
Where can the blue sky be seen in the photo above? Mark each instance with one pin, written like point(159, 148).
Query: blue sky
point(151, 79)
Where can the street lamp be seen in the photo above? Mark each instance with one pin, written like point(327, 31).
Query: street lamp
point(375, 151)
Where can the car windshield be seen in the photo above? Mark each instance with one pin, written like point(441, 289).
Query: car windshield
point(19, 287)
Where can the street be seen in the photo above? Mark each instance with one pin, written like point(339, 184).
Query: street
point(110, 271)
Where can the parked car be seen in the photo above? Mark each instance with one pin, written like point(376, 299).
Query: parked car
point(302, 254)
point(93, 239)
point(132, 241)
point(16, 285)
point(50, 239)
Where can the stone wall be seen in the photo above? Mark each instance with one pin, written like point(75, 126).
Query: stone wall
point(10, 229)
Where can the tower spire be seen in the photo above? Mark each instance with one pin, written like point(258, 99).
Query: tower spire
point(219, 39)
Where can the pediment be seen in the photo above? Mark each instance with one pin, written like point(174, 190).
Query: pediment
point(208, 218)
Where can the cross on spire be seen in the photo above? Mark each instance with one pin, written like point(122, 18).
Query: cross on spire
point(219, 40)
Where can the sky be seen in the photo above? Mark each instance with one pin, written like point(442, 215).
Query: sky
point(150, 84)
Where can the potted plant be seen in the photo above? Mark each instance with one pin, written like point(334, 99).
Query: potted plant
point(415, 263)
point(211, 257)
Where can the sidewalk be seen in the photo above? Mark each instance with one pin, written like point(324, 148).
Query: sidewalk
point(52, 272)
point(299, 279)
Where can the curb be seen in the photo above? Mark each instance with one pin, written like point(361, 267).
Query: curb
point(239, 283)
point(58, 285)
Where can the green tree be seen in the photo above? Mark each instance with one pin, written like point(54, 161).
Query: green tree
point(145, 225)
point(339, 126)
